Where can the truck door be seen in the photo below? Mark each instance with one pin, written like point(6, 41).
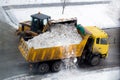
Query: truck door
point(101, 45)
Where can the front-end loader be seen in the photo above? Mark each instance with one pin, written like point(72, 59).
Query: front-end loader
point(40, 23)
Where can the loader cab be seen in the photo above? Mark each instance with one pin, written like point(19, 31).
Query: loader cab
point(39, 21)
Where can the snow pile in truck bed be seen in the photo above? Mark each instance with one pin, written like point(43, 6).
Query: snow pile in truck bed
point(60, 35)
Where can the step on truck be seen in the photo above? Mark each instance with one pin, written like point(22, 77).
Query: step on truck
point(93, 47)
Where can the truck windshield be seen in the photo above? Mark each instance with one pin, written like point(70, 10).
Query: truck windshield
point(103, 41)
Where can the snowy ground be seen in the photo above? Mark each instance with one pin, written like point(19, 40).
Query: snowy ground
point(102, 74)
point(101, 15)
point(20, 2)
point(105, 74)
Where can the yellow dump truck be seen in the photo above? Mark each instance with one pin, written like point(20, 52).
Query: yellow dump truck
point(92, 48)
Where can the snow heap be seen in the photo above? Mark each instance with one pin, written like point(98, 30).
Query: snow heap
point(59, 35)
point(114, 10)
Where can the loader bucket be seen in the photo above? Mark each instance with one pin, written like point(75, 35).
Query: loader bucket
point(63, 21)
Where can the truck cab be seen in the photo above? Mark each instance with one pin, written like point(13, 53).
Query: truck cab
point(98, 43)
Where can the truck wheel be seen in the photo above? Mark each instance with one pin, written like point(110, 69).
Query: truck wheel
point(33, 68)
point(95, 60)
point(43, 68)
point(80, 61)
point(56, 66)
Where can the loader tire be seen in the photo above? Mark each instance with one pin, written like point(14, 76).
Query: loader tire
point(56, 66)
point(43, 68)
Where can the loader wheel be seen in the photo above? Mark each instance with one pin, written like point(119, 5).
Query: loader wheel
point(95, 60)
point(56, 66)
point(43, 68)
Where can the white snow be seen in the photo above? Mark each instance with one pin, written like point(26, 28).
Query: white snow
point(103, 74)
point(60, 35)
point(88, 15)
point(101, 15)
point(114, 11)
point(3, 18)
point(20, 2)
point(19, 77)
point(74, 74)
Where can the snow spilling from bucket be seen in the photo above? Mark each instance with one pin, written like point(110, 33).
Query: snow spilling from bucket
point(59, 35)
point(70, 61)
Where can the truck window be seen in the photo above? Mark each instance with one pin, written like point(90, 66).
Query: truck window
point(103, 41)
point(97, 40)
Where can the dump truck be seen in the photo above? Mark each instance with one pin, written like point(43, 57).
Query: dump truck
point(93, 47)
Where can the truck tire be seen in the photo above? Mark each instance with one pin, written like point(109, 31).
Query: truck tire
point(56, 66)
point(80, 61)
point(43, 68)
point(95, 60)
point(33, 68)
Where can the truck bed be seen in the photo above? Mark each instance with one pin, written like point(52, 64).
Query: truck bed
point(51, 53)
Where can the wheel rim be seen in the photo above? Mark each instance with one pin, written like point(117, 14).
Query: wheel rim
point(95, 60)
point(43, 68)
point(56, 66)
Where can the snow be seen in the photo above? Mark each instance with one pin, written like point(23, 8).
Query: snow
point(114, 10)
point(101, 15)
point(20, 2)
point(6, 17)
point(88, 15)
point(3, 18)
point(74, 74)
point(103, 74)
point(59, 35)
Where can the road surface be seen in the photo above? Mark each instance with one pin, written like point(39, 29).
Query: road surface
point(12, 63)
